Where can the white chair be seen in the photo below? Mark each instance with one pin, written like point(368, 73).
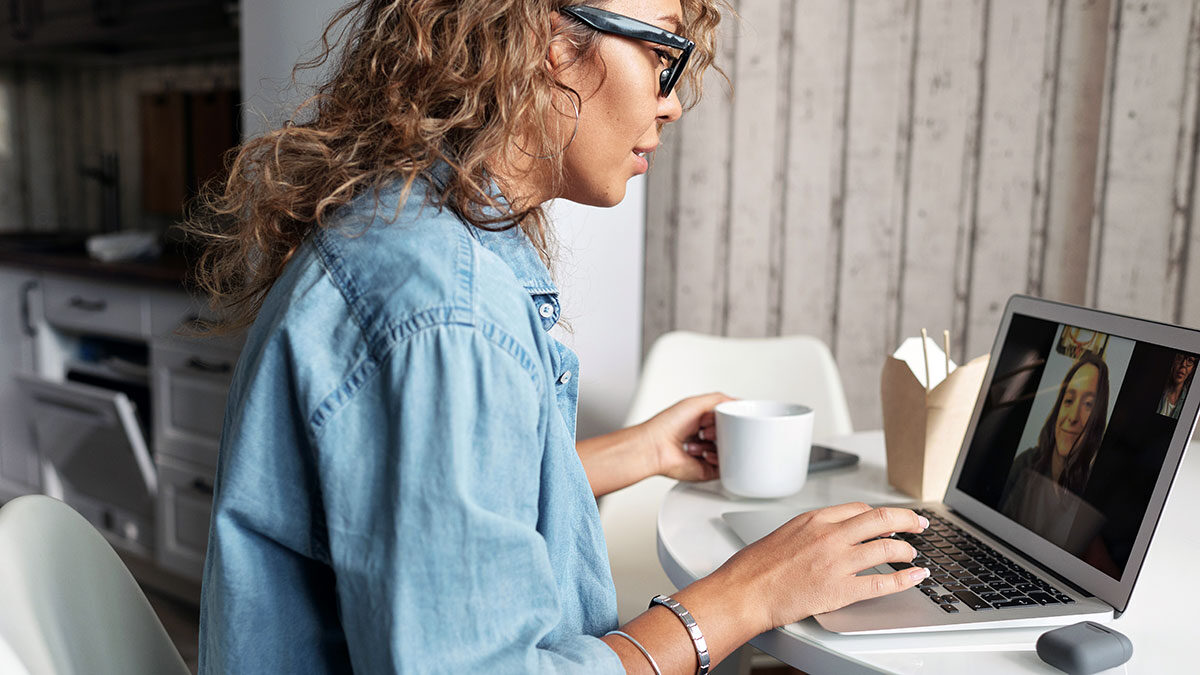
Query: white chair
point(68, 604)
point(796, 368)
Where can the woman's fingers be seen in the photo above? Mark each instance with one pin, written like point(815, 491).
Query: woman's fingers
point(875, 585)
point(881, 521)
point(879, 551)
point(840, 512)
point(702, 450)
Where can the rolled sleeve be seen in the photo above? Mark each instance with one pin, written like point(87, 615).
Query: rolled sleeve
point(433, 514)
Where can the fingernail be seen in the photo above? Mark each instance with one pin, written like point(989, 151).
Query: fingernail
point(924, 521)
point(918, 573)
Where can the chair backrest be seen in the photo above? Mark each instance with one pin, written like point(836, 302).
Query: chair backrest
point(67, 603)
point(796, 368)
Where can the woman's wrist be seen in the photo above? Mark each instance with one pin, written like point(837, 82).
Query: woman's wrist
point(729, 610)
point(617, 459)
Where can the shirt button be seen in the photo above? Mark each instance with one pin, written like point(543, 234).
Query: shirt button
point(565, 377)
point(546, 310)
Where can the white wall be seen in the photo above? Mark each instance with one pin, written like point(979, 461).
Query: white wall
point(599, 276)
point(600, 268)
point(275, 35)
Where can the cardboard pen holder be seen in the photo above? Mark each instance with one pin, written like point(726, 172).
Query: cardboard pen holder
point(923, 431)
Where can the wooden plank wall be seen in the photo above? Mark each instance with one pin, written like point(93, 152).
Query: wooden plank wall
point(56, 118)
point(888, 165)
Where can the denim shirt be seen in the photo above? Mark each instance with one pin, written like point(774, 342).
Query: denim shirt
point(398, 487)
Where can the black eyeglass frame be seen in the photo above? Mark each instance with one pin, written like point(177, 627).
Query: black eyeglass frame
point(619, 24)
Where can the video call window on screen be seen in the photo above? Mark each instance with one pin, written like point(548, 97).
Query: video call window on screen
point(1072, 435)
point(1175, 387)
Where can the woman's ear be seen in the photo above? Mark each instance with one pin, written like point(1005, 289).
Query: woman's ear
point(559, 52)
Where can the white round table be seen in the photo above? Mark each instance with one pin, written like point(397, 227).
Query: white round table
point(1163, 618)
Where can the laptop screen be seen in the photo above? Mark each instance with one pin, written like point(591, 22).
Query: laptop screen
point(1072, 435)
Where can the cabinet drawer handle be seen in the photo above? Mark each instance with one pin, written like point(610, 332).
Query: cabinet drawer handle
point(26, 318)
point(87, 305)
point(206, 367)
point(203, 486)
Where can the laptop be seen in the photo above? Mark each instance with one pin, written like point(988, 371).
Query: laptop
point(1076, 436)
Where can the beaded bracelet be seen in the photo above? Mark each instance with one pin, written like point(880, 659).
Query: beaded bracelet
point(692, 627)
point(637, 644)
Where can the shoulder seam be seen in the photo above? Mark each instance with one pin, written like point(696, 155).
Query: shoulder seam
point(344, 283)
point(493, 334)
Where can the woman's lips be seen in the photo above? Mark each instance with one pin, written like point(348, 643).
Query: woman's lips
point(640, 164)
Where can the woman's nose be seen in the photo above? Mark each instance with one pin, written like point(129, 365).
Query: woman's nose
point(669, 108)
point(1073, 414)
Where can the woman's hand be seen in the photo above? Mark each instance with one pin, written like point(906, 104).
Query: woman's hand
point(683, 438)
point(808, 565)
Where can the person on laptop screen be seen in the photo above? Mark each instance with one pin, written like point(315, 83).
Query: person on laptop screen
point(1178, 381)
point(1045, 483)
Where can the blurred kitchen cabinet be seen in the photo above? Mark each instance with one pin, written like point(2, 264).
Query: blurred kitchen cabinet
point(30, 27)
point(19, 307)
point(185, 493)
point(108, 403)
point(164, 155)
point(185, 135)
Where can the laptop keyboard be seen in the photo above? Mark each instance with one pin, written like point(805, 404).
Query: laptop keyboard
point(965, 572)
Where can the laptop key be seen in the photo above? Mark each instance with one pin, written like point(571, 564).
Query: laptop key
point(1065, 599)
point(971, 600)
point(1028, 588)
point(950, 609)
point(1012, 593)
point(1012, 603)
point(900, 565)
point(931, 592)
point(955, 587)
point(993, 598)
point(1043, 598)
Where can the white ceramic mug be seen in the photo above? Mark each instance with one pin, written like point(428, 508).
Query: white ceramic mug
point(763, 447)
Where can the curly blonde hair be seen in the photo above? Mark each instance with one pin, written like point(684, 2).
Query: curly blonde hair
point(417, 83)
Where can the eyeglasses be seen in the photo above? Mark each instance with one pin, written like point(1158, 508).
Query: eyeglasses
point(619, 24)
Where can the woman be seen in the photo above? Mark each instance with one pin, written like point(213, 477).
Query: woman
point(1178, 381)
point(399, 486)
point(1045, 485)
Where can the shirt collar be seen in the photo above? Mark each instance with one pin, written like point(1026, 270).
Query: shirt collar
point(515, 249)
point(511, 245)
